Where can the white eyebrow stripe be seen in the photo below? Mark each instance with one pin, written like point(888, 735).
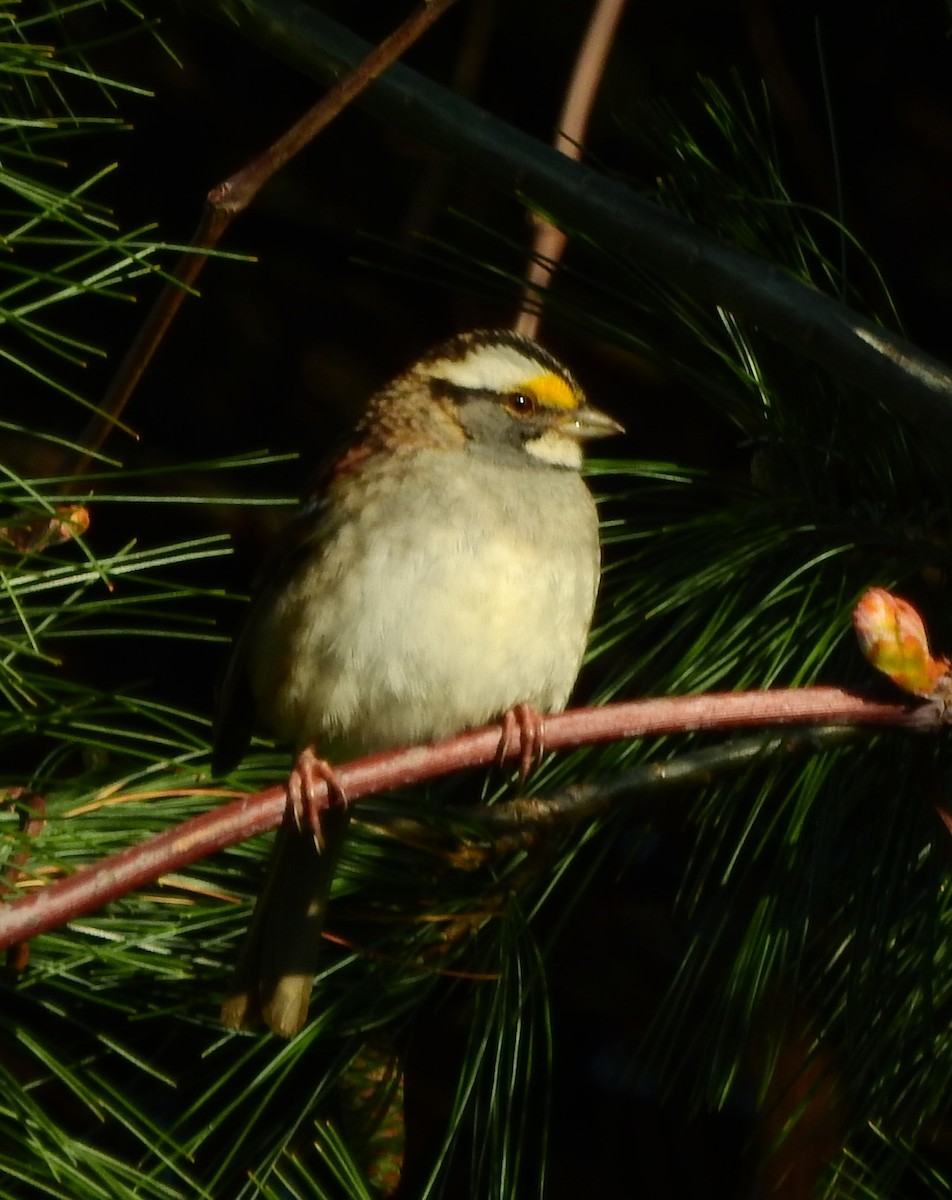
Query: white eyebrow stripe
point(498, 370)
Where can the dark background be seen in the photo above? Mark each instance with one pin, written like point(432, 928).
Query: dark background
point(280, 354)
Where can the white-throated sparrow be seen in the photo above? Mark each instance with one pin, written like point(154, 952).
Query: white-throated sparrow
point(442, 574)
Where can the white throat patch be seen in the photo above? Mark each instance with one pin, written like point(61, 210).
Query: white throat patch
point(557, 449)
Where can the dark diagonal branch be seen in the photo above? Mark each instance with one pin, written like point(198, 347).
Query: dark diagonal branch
point(174, 849)
point(818, 326)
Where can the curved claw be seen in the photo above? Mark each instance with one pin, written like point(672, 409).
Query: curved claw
point(523, 727)
point(314, 787)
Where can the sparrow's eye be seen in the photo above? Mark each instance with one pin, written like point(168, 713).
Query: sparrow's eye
point(521, 403)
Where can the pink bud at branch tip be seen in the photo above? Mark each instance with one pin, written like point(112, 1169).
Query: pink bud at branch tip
point(893, 639)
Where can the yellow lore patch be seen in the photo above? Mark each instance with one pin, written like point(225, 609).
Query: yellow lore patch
point(552, 391)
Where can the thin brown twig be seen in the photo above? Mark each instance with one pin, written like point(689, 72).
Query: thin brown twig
point(223, 203)
point(517, 824)
point(485, 833)
point(175, 848)
point(549, 242)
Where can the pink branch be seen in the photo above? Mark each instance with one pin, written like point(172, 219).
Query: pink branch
point(138, 865)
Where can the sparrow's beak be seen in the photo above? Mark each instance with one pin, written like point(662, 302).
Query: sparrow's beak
point(589, 423)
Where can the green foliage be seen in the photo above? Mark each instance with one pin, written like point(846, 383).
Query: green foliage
point(59, 242)
point(814, 892)
point(812, 908)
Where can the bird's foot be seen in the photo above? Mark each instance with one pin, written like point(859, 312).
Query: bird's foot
point(523, 727)
point(314, 787)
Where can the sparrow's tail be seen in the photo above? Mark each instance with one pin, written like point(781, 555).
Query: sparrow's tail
point(275, 973)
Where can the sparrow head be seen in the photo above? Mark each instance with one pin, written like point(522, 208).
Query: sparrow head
point(489, 392)
point(510, 396)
